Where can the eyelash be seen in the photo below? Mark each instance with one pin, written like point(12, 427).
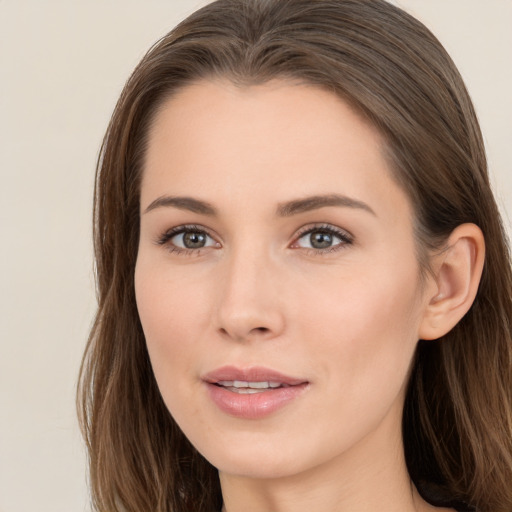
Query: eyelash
point(166, 237)
point(344, 236)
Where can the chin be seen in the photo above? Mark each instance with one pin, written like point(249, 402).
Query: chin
point(258, 468)
point(262, 460)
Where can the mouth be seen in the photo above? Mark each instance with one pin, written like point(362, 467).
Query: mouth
point(255, 378)
point(252, 393)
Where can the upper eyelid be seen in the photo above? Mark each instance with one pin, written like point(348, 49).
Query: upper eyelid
point(188, 227)
point(323, 226)
point(166, 235)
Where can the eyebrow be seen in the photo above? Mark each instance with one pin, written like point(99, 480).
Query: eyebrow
point(315, 202)
point(287, 209)
point(183, 203)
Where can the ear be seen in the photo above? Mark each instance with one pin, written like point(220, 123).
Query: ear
point(456, 274)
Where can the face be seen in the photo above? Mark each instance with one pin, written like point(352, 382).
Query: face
point(276, 281)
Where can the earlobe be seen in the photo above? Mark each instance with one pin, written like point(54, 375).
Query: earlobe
point(457, 272)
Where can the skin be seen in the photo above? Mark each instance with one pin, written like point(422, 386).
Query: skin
point(346, 319)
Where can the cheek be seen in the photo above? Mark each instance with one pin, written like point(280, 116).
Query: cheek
point(367, 326)
point(172, 314)
point(362, 337)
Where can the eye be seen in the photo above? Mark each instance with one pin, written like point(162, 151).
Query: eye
point(187, 239)
point(191, 240)
point(322, 239)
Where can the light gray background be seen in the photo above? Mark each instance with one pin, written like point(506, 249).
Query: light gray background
point(62, 66)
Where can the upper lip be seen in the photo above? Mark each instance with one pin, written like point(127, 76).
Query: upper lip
point(252, 374)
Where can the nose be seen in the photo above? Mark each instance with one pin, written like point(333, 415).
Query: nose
point(250, 304)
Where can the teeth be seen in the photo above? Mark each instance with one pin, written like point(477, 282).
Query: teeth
point(225, 383)
point(246, 391)
point(241, 385)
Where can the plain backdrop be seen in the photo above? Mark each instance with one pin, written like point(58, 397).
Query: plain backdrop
point(62, 66)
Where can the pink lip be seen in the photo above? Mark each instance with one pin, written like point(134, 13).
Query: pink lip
point(257, 405)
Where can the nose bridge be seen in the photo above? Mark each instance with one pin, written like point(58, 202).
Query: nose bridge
point(248, 305)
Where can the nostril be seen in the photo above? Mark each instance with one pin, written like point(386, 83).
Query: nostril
point(255, 332)
point(261, 329)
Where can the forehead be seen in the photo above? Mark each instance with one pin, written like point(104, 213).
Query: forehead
point(272, 140)
point(305, 112)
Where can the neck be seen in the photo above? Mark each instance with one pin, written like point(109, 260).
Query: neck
point(365, 478)
point(327, 488)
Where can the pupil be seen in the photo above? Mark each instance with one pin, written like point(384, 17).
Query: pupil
point(194, 240)
point(320, 240)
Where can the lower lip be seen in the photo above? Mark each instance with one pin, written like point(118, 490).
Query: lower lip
point(256, 405)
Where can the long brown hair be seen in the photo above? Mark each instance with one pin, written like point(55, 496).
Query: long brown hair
point(457, 423)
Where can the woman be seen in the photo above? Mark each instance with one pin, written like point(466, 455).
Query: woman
point(304, 286)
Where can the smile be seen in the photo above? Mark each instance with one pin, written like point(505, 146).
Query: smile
point(252, 393)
